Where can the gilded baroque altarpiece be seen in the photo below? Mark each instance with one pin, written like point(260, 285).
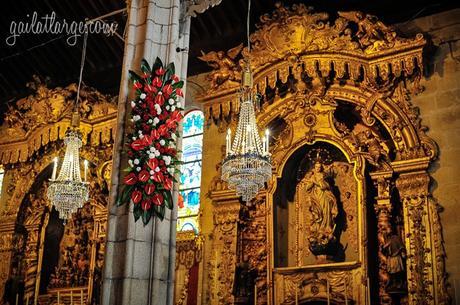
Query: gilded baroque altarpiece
point(348, 215)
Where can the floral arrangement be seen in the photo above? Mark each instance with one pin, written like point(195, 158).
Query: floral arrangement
point(155, 116)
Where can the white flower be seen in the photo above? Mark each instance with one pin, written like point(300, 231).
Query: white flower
point(167, 107)
point(171, 101)
point(178, 105)
point(173, 108)
point(130, 162)
point(143, 96)
point(136, 161)
point(141, 136)
point(152, 172)
point(151, 155)
point(171, 170)
point(156, 121)
point(157, 153)
point(157, 169)
point(162, 142)
point(151, 177)
point(136, 118)
point(167, 160)
point(172, 145)
point(173, 136)
point(158, 108)
point(133, 104)
point(150, 121)
point(152, 149)
point(138, 169)
point(134, 138)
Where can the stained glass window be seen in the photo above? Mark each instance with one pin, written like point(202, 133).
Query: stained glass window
point(190, 179)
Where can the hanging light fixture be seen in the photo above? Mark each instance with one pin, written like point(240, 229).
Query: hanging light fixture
point(68, 192)
point(247, 165)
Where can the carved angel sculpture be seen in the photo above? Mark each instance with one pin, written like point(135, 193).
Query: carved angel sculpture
point(226, 68)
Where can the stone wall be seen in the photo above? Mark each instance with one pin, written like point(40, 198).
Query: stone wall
point(440, 110)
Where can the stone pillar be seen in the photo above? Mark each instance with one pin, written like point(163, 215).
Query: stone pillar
point(426, 275)
point(383, 208)
point(139, 260)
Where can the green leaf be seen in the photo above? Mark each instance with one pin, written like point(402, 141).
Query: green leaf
point(137, 211)
point(168, 199)
point(158, 64)
point(124, 196)
point(171, 68)
point(179, 84)
point(162, 212)
point(134, 77)
point(145, 67)
point(146, 217)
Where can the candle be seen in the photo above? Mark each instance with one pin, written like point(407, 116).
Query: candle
point(17, 299)
point(59, 299)
point(81, 297)
point(71, 297)
point(27, 300)
point(267, 133)
point(327, 293)
point(255, 294)
point(229, 140)
point(264, 143)
point(53, 177)
point(86, 168)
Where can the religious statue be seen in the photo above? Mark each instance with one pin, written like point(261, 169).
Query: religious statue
point(243, 285)
point(322, 204)
point(224, 63)
point(395, 252)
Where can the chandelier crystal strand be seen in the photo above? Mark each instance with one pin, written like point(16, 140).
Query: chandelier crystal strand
point(68, 192)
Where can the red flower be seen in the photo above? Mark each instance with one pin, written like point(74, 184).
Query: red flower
point(157, 82)
point(176, 116)
point(150, 88)
point(152, 163)
point(175, 78)
point(158, 177)
point(146, 204)
point(163, 130)
point(145, 75)
point(138, 144)
point(137, 85)
point(179, 92)
point(136, 196)
point(160, 71)
point(154, 134)
point(157, 199)
point(147, 140)
point(149, 188)
point(143, 176)
point(168, 183)
point(130, 179)
point(167, 90)
point(160, 99)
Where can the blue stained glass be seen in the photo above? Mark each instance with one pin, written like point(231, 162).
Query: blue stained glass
point(191, 202)
point(192, 148)
point(193, 123)
point(190, 175)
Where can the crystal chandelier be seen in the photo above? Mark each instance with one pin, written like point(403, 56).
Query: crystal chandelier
point(67, 192)
point(247, 165)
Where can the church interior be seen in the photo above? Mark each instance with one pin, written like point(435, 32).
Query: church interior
point(230, 152)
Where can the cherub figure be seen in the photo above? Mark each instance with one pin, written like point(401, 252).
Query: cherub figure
point(225, 65)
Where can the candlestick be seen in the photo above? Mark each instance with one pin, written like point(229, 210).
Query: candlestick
point(327, 293)
point(71, 297)
point(27, 300)
point(81, 297)
point(86, 168)
point(59, 298)
point(368, 291)
point(17, 299)
point(255, 294)
point(296, 296)
point(346, 297)
point(53, 177)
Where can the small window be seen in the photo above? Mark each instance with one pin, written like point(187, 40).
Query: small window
point(190, 179)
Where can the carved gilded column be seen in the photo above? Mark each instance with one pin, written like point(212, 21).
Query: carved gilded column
point(224, 257)
point(383, 208)
point(31, 259)
point(6, 247)
point(425, 268)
